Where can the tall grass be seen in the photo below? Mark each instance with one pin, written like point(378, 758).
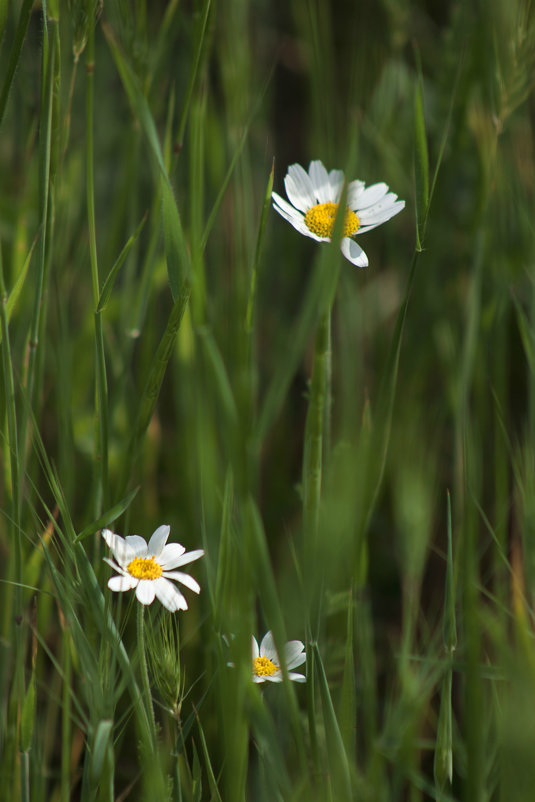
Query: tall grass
point(353, 449)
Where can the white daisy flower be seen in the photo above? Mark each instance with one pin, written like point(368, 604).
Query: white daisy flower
point(314, 198)
point(266, 663)
point(148, 568)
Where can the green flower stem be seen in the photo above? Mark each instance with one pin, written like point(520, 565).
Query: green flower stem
point(144, 670)
point(312, 475)
point(314, 434)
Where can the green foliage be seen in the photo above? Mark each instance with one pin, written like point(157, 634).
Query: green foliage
point(174, 352)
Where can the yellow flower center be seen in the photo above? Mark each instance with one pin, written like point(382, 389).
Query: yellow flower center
point(263, 667)
point(144, 568)
point(320, 220)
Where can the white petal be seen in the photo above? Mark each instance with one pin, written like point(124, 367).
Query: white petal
point(353, 252)
point(158, 540)
point(385, 203)
point(259, 679)
point(119, 547)
point(371, 195)
point(320, 181)
point(296, 677)
point(170, 555)
point(188, 557)
point(169, 595)
point(254, 648)
point(114, 565)
point(380, 216)
point(299, 224)
point(294, 654)
point(145, 591)
point(354, 191)
point(273, 678)
point(267, 648)
point(299, 188)
point(185, 579)
point(108, 536)
point(120, 583)
point(137, 546)
point(336, 180)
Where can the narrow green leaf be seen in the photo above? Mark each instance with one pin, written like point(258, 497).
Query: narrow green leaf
point(112, 275)
point(215, 208)
point(338, 762)
point(319, 291)
point(348, 694)
point(19, 283)
point(100, 747)
point(27, 716)
point(222, 382)
point(109, 516)
point(202, 27)
point(215, 795)
point(14, 55)
point(4, 4)
point(421, 166)
point(443, 762)
point(159, 365)
point(196, 775)
point(526, 334)
point(449, 626)
point(176, 252)
point(224, 555)
point(258, 250)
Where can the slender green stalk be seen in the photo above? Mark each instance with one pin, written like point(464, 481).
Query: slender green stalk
point(15, 593)
point(48, 55)
point(66, 728)
point(314, 430)
point(141, 648)
point(101, 390)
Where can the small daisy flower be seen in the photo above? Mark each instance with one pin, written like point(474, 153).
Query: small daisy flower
point(266, 663)
point(314, 198)
point(148, 568)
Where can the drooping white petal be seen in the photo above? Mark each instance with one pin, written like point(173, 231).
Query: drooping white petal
point(185, 579)
point(267, 648)
point(353, 252)
point(294, 217)
point(296, 677)
point(259, 679)
point(115, 566)
point(158, 540)
point(274, 677)
point(188, 557)
point(146, 591)
point(294, 654)
point(299, 188)
point(122, 582)
point(254, 648)
point(171, 554)
point(169, 595)
point(320, 181)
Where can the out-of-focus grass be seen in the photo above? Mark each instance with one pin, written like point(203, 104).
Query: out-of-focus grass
point(352, 448)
